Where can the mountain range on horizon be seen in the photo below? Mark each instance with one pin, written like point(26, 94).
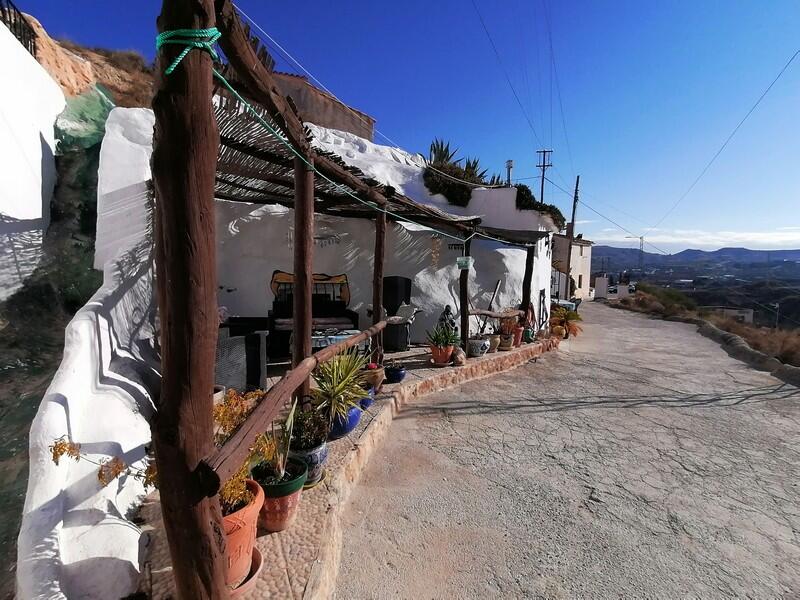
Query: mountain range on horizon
point(629, 257)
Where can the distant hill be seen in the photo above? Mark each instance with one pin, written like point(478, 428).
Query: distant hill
point(616, 259)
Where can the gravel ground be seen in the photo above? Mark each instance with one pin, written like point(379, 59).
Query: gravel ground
point(640, 460)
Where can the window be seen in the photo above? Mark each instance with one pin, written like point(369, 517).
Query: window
point(581, 252)
point(580, 281)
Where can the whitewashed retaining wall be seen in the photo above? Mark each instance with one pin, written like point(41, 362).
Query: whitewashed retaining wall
point(76, 539)
point(29, 105)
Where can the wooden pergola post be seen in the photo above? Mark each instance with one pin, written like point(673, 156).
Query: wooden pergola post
point(303, 262)
point(185, 146)
point(463, 294)
point(377, 282)
point(530, 254)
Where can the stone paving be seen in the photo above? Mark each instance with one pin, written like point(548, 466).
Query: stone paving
point(302, 562)
point(639, 461)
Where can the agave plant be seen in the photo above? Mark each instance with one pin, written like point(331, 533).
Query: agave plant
point(561, 317)
point(271, 452)
point(443, 336)
point(496, 179)
point(472, 170)
point(339, 384)
point(440, 153)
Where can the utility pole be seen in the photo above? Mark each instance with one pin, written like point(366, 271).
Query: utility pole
point(544, 164)
point(509, 166)
point(530, 254)
point(641, 250)
point(777, 306)
point(571, 237)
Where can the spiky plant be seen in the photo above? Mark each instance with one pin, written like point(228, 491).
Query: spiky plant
point(271, 452)
point(472, 170)
point(440, 153)
point(443, 336)
point(496, 179)
point(339, 384)
point(568, 319)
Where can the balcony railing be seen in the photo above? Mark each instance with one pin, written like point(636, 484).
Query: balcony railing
point(18, 25)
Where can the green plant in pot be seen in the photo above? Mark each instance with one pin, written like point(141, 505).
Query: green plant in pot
point(442, 340)
point(565, 322)
point(280, 477)
point(339, 391)
point(310, 442)
point(508, 326)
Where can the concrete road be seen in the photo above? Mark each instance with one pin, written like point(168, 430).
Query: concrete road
point(640, 460)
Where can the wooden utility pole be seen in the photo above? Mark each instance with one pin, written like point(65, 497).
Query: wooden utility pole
point(530, 252)
point(377, 282)
point(571, 237)
point(185, 146)
point(303, 263)
point(463, 294)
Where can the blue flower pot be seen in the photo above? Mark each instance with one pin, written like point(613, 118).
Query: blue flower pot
point(342, 427)
point(315, 461)
point(367, 401)
point(395, 374)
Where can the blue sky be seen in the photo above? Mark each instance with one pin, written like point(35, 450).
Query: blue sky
point(650, 90)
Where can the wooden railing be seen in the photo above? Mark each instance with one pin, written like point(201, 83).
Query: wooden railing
point(227, 460)
point(18, 24)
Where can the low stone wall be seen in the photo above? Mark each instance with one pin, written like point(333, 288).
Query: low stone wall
point(303, 561)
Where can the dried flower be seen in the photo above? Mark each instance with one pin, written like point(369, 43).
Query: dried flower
point(110, 469)
point(62, 446)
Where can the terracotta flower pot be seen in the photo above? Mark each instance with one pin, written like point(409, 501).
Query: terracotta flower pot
point(506, 341)
point(518, 331)
point(375, 377)
point(282, 499)
point(240, 534)
point(441, 354)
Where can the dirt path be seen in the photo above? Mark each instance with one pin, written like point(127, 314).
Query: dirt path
point(641, 460)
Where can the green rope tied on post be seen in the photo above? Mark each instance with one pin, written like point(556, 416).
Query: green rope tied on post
point(204, 39)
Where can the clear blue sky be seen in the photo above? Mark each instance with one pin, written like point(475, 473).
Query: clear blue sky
point(650, 90)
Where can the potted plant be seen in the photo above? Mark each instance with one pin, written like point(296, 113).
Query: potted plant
point(367, 400)
point(241, 498)
point(395, 372)
point(527, 324)
point(280, 477)
point(310, 442)
point(442, 340)
point(507, 326)
point(560, 317)
point(477, 346)
point(339, 392)
point(374, 375)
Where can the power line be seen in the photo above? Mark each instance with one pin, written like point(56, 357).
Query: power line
point(725, 143)
point(357, 114)
point(558, 88)
point(505, 72)
point(610, 220)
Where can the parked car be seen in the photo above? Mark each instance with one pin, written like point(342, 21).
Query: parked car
point(612, 289)
point(632, 288)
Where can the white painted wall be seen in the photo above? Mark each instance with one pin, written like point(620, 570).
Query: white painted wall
point(253, 241)
point(580, 267)
point(76, 540)
point(29, 105)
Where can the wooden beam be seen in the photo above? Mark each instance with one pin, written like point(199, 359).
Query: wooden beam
point(463, 294)
point(303, 262)
point(225, 461)
point(184, 160)
point(530, 254)
point(377, 282)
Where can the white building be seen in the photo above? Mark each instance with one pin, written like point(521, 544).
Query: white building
point(102, 395)
point(29, 105)
point(580, 267)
